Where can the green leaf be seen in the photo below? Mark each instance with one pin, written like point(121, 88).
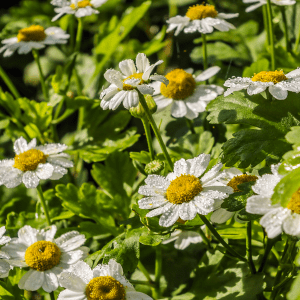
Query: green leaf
point(272, 119)
point(149, 239)
point(232, 233)
point(88, 202)
point(256, 67)
point(286, 187)
point(9, 290)
point(143, 156)
point(244, 216)
point(294, 293)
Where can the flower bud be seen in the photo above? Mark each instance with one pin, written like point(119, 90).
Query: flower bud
point(154, 167)
point(138, 111)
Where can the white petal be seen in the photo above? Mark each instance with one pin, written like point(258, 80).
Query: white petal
point(71, 257)
point(186, 238)
point(169, 217)
point(152, 202)
point(160, 78)
point(50, 282)
point(4, 268)
point(277, 92)
point(142, 62)
point(227, 16)
point(259, 204)
point(208, 73)
point(149, 70)
point(116, 100)
point(145, 89)
point(44, 171)
point(20, 145)
point(178, 109)
point(58, 172)
point(30, 179)
point(291, 225)
point(127, 67)
point(254, 89)
point(221, 215)
point(32, 280)
point(13, 178)
point(160, 210)
point(265, 185)
point(181, 167)
point(70, 295)
point(31, 144)
point(191, 114)
point(147, 190)
point(212, 174)
point(27, 235)
point(72, 282)
point(293, 74)
point(70, 241)
point(187, 211)
point(198, 164)
point(83, 271)
point(133, 295)
point(162, 103)
point(52, 148)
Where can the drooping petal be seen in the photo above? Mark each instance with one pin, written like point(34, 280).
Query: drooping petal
point(70, 295)
point(277, 92)
point(32, 280)
point(221, 215)
point(208, 73)
point(30, 179)
point(72, 282)
point(44, 171)
point(50, 282)
point(178, 109)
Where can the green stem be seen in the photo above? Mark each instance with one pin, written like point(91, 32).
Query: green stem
point(52, 297)
point(158, 269)
point(269, 246)
point(190, 124)
point(220, 239)
point(269, 96)
point(36, 56)
point(249, 249)
point(266, 23)
point(155, 129)
point(148, 137)
point(72, 32)
point(297, 42)
point(285, 26)
point(205, 238)
point(141, 282)
point(271, 30)
point(43, 202)
point(144, 271)
point(79, 34)
point(9, 83)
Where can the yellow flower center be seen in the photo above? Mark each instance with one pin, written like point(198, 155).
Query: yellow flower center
point(29, 160)
point(236, 180)
point(32, 33)
point(269, 76)
point(181, 85)
point(128, 87)
point(105, 288)
point(200, 11)
point(183, 189)
point(42, 255)
point(81, 4)
point(294, 204)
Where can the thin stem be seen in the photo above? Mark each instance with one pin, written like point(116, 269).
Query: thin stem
point(271, 30)
point(144, 271)
point(52, 297)
point(266, 23)
point(269, 246)
point(148, 137)
point(297, 42)
point(158, 269)
point(155, 129)
point(43, 202)
point(9, 83)
point(249, 249)
point(285, 26)
point(204, 49)
point(190, 124)
point(205, 238)
point(79, 34)
point(220, 239)
point(36, 57)
point(141, 282)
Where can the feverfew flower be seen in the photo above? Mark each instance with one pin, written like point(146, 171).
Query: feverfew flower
point(4, 265)
point(103, 282)
point(278, 83)
point(47, 257)
point(186, 97)
point(182, 194)
point(79, 8)
point(34, 37)
point(230, 177)
point(259, 3)
point(201, 18)
point(124, 85)
point(33, 163)
point(184, 238)
point(276, 219)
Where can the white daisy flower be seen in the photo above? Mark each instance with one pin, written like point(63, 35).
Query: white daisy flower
point(184, 238)
point(186, 97)
point(79, 8)
point(201, 18)
point(278, 83)
point(276, 218)
point(230, 177)
point(47, 257)
point(4, 265)
point(33, 163)
point(103, 282)
point(124, 85)
point(33, 37)
point(182, 194)
point(259, 3)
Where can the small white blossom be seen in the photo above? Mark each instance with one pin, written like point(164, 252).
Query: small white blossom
point(259, 3)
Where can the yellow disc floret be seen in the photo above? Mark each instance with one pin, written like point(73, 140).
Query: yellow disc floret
point(42, 255)
point(181, 85)
point(236, 180)
point(29, 160)
point(294, 204)
point(34, 33)
point(81, 4)
point(128, 87)
point(200, 11)
point(269, 76)
point(105, 288)
point(183, 189)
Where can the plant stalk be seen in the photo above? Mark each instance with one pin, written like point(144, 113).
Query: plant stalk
point(9, 83)
point(158, 269)
point(148, 137)
point(190, 124)
point(266, 23)
point(79, 34)
point(285, 26)
point(43, 202)
point(271, 31)
point(249, 248)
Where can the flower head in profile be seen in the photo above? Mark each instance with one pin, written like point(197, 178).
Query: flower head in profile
point(202, 18)
point(79, 8)
point(4, 265)
point(33, 37)
point(187, 99)
point(232, 177)
point(259, 3)
point(33, 163)
point(103, 282)
point(182, 194)
point(46, 256)
point(276, 218)
point(277, 83)
point(124, 85)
